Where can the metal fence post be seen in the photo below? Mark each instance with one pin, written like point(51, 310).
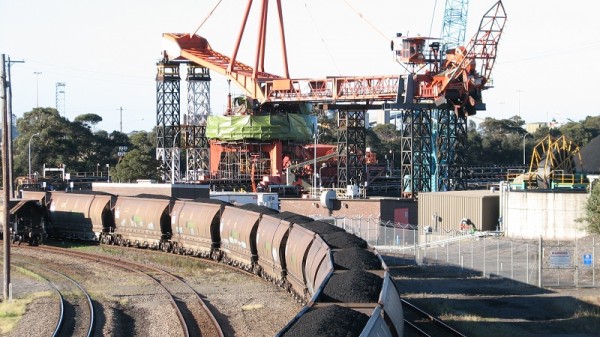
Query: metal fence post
point(527, 263)
point(540, 256)
point(459, 254)
point(483, 257)
point(497, 257)
point(512, 262)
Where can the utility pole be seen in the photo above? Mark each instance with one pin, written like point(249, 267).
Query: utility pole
point(121, 119)
point(9, 62)
point(5, 181)
point(37, 88)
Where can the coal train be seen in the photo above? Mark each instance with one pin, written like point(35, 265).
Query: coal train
point(26, 224)
point(343, 282)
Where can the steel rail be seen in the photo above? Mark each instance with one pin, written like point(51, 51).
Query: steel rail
point(431, 318)
point(121, 264)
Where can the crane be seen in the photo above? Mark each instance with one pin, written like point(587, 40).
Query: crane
point(455, 23)
point(433, 83)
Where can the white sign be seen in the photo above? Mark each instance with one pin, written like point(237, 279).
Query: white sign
point(560, 259)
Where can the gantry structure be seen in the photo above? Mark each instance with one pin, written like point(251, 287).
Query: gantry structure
point(173, 136)
point(435, 95)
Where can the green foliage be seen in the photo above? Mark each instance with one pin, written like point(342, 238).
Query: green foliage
point(57, 142)
point(592, 210)
point(583, 132)
point(136, 164)
point(91, 119)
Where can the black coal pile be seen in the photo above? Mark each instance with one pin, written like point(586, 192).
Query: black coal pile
point(329, 321)
point(321, 228)
point(356, 258)
point(294, 217)
point(259, 209)
point(353, 286)
point(590, 157)
point(343, 239)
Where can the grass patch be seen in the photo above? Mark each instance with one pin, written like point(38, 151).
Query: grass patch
point(12, 312)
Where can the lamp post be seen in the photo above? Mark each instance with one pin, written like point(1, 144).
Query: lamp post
point(108, 173)
point(519, 91)
point(524, 136)
point(29, 158)
point(173, 156)
point(321, 174)
point(387, 160)
point(315, 155)
point(37, 86)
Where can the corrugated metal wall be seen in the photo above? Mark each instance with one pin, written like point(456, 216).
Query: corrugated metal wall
point(443, 211)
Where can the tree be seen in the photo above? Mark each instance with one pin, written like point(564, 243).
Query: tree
point(88, 119)
point(501, 141)
point(592, 210)
point(136, 164)
point(59, 142)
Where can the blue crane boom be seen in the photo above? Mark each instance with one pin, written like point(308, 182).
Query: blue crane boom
point(455, 23)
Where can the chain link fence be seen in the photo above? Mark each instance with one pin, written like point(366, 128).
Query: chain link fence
point(543, 263)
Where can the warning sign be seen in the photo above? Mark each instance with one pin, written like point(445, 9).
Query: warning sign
point(588, 260)
point(560, 259)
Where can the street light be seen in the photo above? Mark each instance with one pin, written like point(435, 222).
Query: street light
point(315, 155)
point(524, 136)
point(321, 174)
point(29, 158)
point(37, 90)
point(519, 91)
point(173, 156)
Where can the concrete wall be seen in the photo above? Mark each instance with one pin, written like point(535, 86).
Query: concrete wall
point(551, 215)
point(395, 210)
point(184, 191)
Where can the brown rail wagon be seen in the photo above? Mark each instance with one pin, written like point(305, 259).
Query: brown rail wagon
point(238, 237)
point(272, 239)
point(80, 216)
point(144, 222)
point(196, 227)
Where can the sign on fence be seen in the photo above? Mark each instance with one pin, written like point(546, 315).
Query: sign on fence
point(560, 259)
point(587, 260)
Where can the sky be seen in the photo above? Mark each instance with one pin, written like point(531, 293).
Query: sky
point(105, 52)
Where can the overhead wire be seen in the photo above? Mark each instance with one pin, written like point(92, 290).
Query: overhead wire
point(432, 17)
point(314, 24)
point(387, 38)
point(206, 18)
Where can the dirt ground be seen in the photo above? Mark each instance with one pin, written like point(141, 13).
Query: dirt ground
point(493, 307)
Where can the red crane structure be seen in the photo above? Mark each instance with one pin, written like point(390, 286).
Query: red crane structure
point(449, 85)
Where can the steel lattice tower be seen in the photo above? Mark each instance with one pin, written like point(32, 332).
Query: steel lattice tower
point(434, 143)
point(195, 141)
point(415, 164)
point(167, 119)
point(455, 23)
point(351, 145)
point(60, 99)
point(452, 135)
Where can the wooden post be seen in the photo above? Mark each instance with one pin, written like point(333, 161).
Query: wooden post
point(5, 181)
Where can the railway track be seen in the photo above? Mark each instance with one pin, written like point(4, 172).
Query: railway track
point(76, 315)
point(417, 322)
point(194, 316)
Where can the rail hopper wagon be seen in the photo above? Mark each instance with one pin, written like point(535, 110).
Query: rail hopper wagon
point(26, 222)
point(343, 282)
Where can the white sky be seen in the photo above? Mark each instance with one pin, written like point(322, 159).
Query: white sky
point(106, 51)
